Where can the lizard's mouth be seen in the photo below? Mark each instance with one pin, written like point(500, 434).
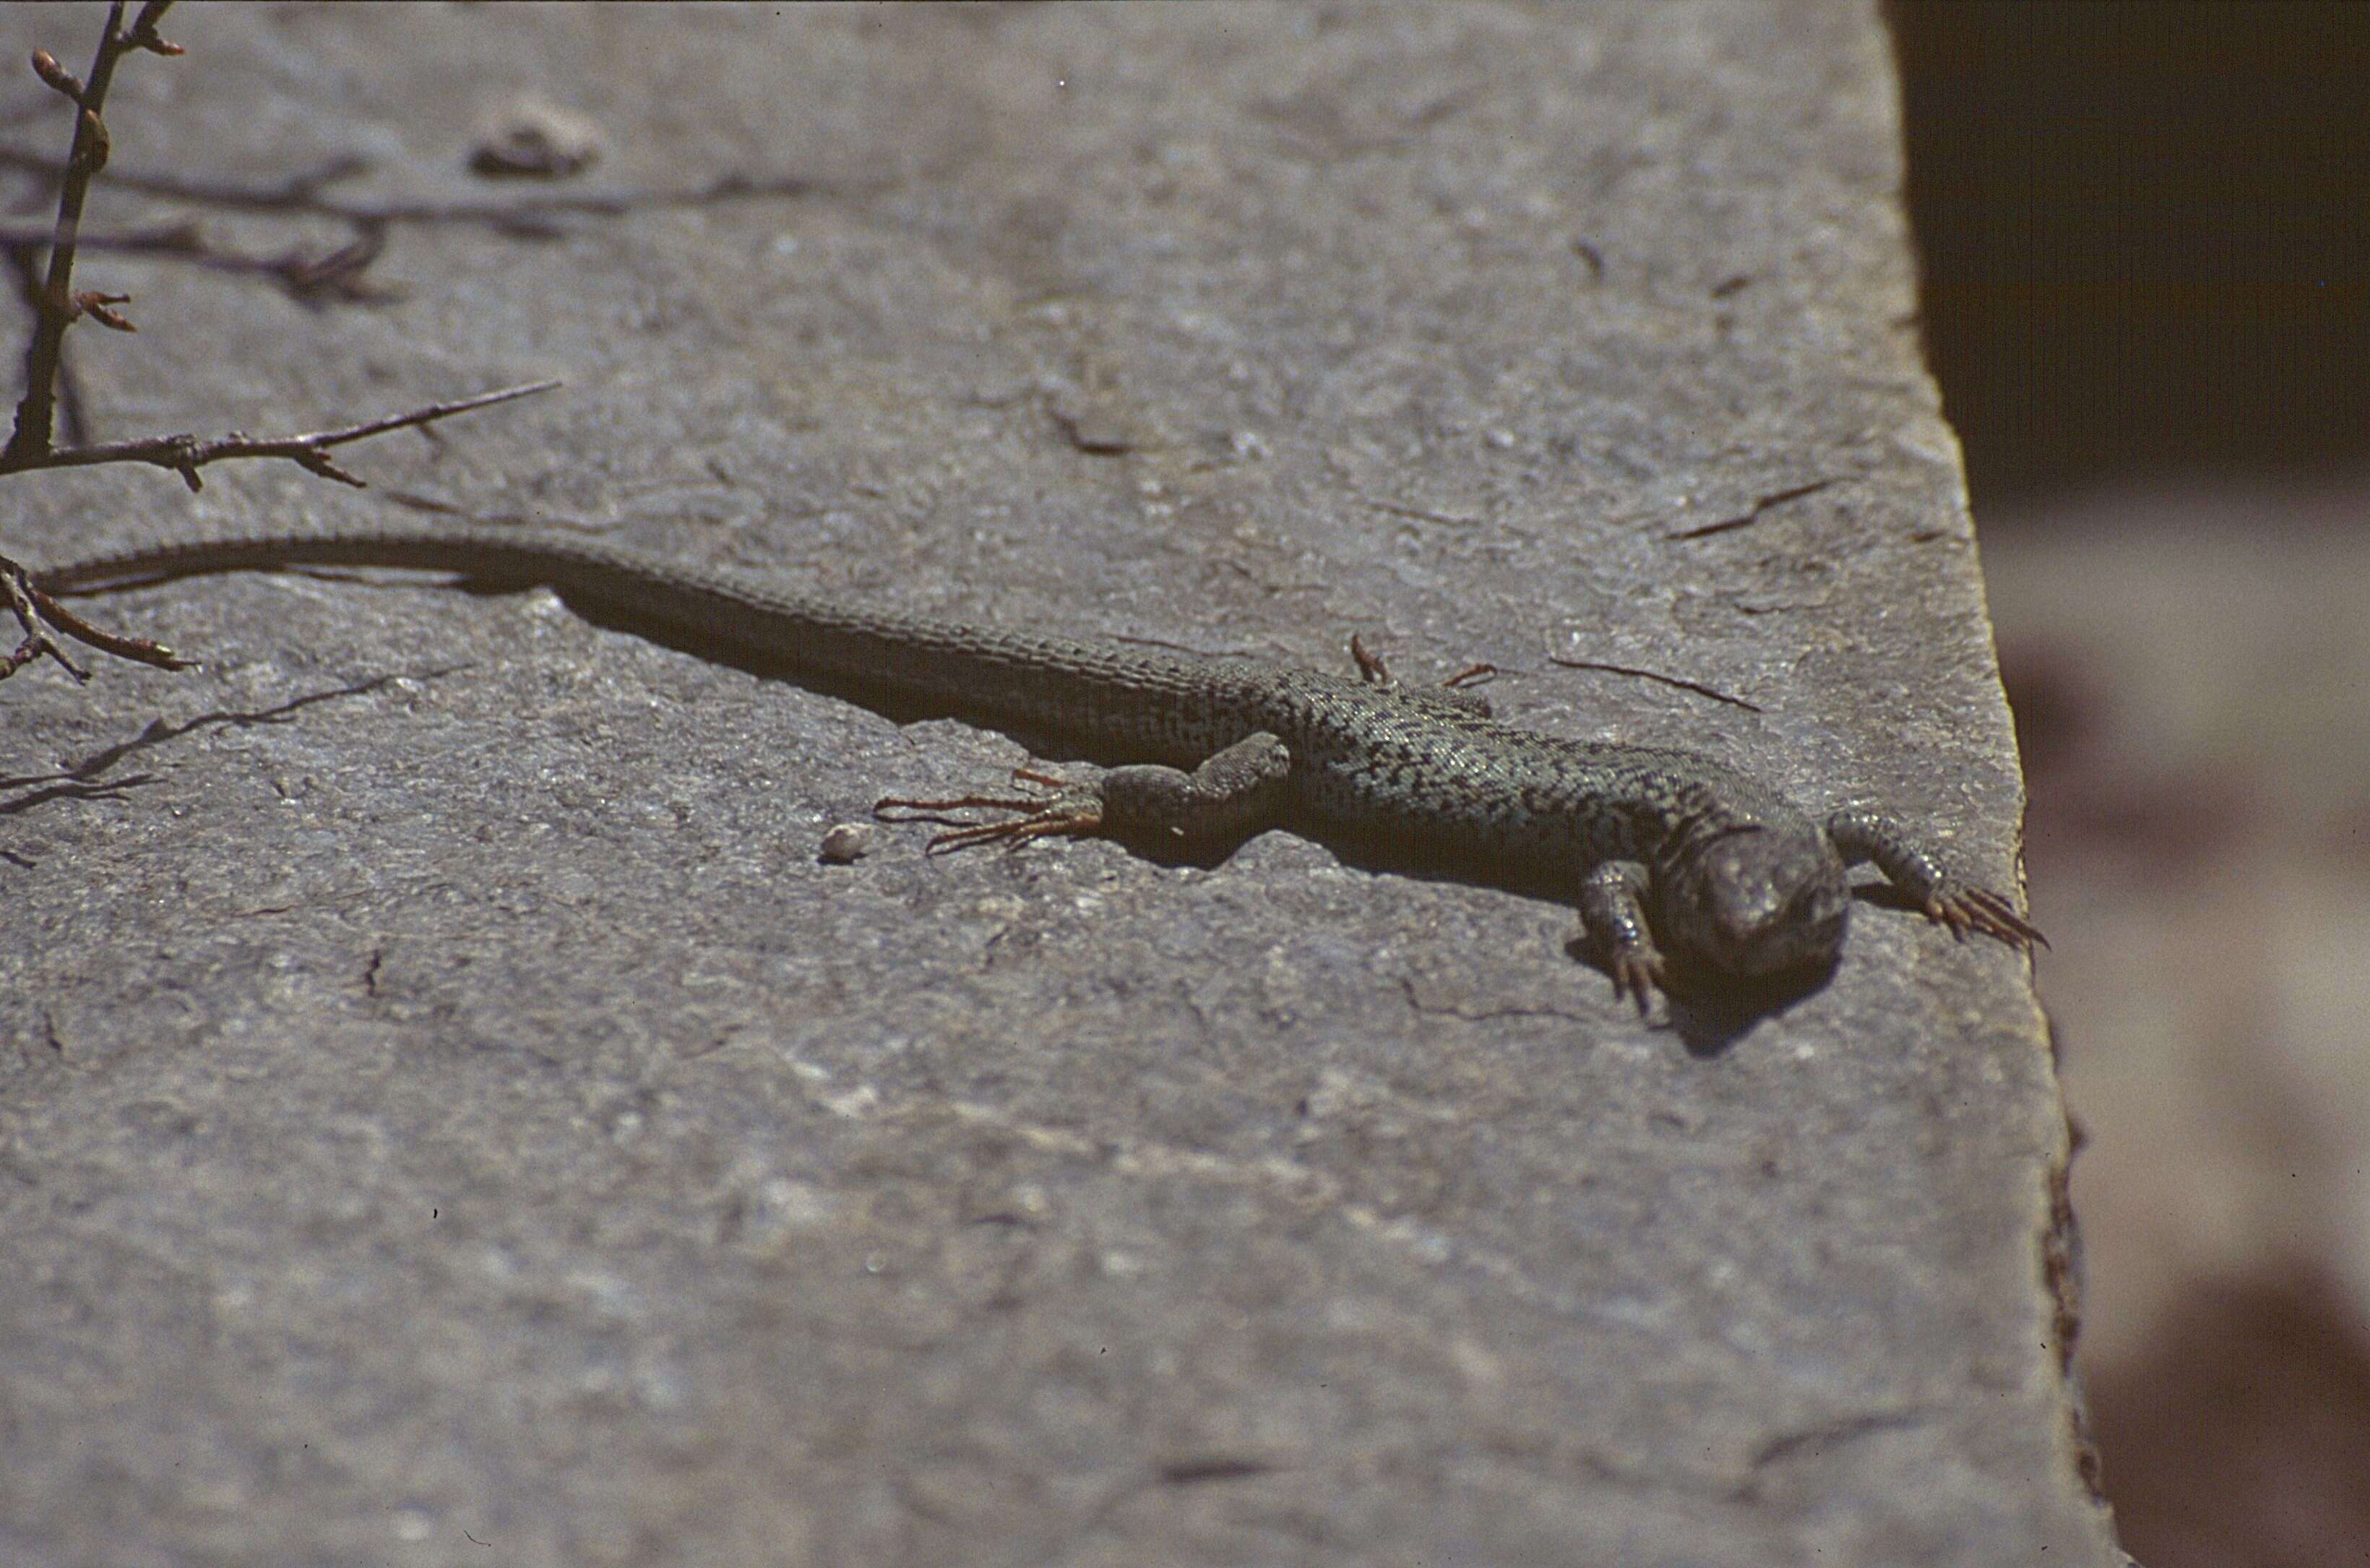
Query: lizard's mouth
point(1797, 938)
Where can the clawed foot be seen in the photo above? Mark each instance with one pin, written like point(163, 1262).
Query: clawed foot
point(1073, 810)
point(1965, 909)
point(1636, 973)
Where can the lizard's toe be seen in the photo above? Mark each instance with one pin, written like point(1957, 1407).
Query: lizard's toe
point(1638, 973)
point(1965, 909)
point(1074, 812)
point(1055, 821)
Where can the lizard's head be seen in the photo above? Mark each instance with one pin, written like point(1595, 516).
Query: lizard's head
point(1759, 901)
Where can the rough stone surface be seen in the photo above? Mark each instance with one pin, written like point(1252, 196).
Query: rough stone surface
point(447, 1101)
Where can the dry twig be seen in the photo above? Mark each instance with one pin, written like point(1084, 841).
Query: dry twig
point(56, 307)
point(185, 454)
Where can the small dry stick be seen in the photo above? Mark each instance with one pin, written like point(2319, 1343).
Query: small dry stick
point(56, 307)
point(42, 617)
point(185, 454)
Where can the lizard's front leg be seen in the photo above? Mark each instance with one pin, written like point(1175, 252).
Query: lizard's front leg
point(1613, 918)
point(1920, 874)
point(1229, 794)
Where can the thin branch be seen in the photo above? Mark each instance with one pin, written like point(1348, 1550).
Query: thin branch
point(1760, 506)
point(56, 305)
point(44, 617)
point(25, 273)
point(25, 603)
point(185, 455)
point(1676, 682)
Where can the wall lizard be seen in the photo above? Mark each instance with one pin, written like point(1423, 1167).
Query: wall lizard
point(1661, 849)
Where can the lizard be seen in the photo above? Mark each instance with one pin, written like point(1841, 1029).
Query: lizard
point(1662, 850)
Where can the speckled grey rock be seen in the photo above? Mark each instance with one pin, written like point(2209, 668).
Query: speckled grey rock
point(448, 1098)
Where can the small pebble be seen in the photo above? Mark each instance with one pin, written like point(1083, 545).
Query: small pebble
point(534, 140)
point(846, 844)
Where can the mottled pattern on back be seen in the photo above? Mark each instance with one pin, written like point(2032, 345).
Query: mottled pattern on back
point(1379, 759)
point(1365, 755)
point(1732, 872)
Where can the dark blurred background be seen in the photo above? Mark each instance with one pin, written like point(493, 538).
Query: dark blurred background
point(2144, 228)
point(2145, 235)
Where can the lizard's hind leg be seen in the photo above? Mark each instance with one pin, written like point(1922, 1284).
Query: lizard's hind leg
point(1232, 793)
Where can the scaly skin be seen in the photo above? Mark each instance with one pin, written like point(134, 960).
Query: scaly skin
point(1659, 847)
